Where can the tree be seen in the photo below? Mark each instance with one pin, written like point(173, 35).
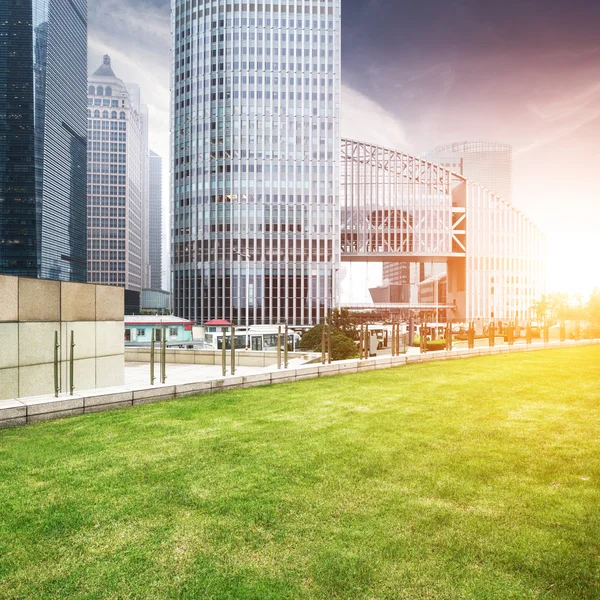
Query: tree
point(593, 308)
point(342, 347)
point(541, 308)
point(342, 320)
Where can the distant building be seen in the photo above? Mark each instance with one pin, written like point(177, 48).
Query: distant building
point(489, 164)
point(156, 300)
point(155, 221)
point(117, 182)
point(434, 291)
point(390, 293)
point(139, 329)
point(43, 66)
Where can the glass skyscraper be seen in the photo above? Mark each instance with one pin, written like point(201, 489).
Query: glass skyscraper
point(488, 163)
point(256, 146)
point(43, 76)
point(155, 220)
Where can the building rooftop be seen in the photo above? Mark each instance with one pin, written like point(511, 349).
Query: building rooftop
point(155, 320)
point(104, 70)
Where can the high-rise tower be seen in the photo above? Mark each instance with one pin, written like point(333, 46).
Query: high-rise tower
point(43, 75)
point(117, 177)
point(155, 221)
point(255, 151)
point(487, 163)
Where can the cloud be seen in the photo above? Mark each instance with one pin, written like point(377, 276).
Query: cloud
point(365, 120)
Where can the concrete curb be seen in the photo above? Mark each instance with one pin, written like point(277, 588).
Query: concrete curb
point(23, 411)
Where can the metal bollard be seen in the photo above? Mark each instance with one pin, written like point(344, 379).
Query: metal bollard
point(279, 347)
point(232, 350)
point(163, 365)
point(152, 347)
point(285, 348)
point(56, 365)
point(72, 364)
point(224, 351)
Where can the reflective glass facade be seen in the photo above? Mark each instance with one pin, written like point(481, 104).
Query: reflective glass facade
point(255, 171)
point(487, 163)
point(43, 64)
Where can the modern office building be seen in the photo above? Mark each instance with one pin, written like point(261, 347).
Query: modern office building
point(155, 220)
point(43, 75)
point(117, 182)
point(489, 164)
point(255, 151)
point(401, 209)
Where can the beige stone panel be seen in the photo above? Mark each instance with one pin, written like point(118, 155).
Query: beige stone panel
point(37, 380)
point(84, 374)
point(84, 337)
point(9, 383)
point(36, 343)
point(9, 298)
point(39, 300)
point(77, 301)
point(110, 371)
point(110, 303)
point(9, 345)
point(110, 338)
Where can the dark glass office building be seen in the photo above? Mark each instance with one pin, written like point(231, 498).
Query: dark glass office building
point(43, 138)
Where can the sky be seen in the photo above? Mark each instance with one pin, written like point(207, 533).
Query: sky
point(419, 74)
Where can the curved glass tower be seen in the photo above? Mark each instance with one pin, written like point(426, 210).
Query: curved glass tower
point(255, 159)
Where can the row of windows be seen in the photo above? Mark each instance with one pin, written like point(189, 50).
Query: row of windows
point(99, 90)
point(106, 277)
point(113, 114)
point(107, 125)
point(104, 102)
point(252, 36)
point(102, 168)
point(101, 222)
point(107, 179)
point(211, 67)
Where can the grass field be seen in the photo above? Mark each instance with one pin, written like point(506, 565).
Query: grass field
point(473, 478)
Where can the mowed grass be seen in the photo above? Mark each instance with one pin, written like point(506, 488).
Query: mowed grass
point(466, 479)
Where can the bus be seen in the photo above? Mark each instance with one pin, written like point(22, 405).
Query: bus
point(258, 338)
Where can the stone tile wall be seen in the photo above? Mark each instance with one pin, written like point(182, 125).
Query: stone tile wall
point(32, 310)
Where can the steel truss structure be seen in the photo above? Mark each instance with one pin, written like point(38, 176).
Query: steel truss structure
point(400, 208)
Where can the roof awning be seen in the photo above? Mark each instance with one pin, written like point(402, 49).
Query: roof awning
point(218, 323)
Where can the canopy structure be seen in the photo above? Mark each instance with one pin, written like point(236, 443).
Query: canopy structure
point(218, 323)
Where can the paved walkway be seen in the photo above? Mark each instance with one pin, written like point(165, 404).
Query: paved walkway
point(139, 373)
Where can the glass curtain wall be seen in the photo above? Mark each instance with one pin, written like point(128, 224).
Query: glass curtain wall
point(255, 95)
point(43, 61)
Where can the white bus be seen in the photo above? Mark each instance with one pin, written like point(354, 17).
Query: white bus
point(259, 338)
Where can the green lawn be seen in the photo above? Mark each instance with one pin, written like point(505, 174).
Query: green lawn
point(465, 479)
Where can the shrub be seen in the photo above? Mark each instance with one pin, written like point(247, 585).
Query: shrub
point(342, 347)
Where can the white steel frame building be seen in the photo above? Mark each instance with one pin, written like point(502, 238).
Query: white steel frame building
point(399, 208)
point(255, 159)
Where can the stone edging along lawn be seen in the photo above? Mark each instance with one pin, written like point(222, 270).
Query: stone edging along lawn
point(23, 411)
